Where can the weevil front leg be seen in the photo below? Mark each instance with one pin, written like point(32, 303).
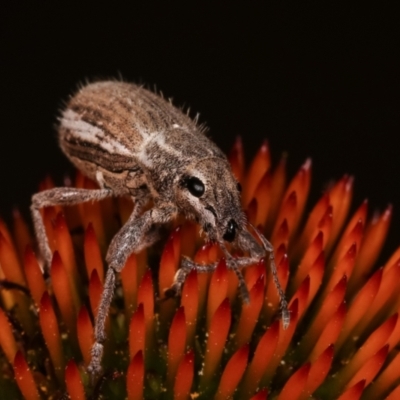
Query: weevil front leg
point(134, 236)
point(59, 197)
point(187, 265)
point(232, 263)
point(246, 242)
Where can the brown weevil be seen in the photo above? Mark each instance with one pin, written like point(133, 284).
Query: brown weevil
point(133, 142)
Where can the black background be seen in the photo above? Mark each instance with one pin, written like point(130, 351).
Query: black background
point(315, 80)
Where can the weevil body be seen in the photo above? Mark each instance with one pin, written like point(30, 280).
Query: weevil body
point(133, 142)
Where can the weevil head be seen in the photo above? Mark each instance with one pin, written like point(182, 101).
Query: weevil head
point(209, 193)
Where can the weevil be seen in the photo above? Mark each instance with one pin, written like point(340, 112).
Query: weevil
point(133, 142)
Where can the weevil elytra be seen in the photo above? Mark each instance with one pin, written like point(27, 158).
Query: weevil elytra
point(133, 142)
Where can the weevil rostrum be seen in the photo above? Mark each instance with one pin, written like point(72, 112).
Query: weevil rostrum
point(133, 142)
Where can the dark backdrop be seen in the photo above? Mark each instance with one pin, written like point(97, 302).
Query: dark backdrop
point(319, 81)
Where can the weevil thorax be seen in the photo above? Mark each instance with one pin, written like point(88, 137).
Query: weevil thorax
point(209, 193)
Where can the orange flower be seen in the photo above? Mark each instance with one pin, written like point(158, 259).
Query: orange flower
point(341, 342)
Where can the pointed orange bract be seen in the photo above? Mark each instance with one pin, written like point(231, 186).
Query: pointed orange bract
point(394, 395)
point(93, 259)
point(329, 307)
point(190, 302)
point(371, 367)
point(4, 232)
point(135, 377)
point(137, 332)
point(233, 373)
point(372, 243)
point(330, 333)
point(340, 196)
point(301, 297)
point(260, 165)
point(146, 297)
point(176, 344)
point(66, 252)
point(63, 293)
point(375, 343)
point(51, 334)
point(318, 371)
point(249, 314)
point(353, 233)
point(262, 356)
point(169, 262)
point(385, 381)
point(344, 267)
point(7, 340)
point(184, 377)
point(207, 254)
point(359, 307)
point(313, 252)
point(90, 212)
point(354, 392)
point(295, 197)
point(9, 262)
point(95, 291)
point(284, 339)
point(74, 382)
point(34, 276)
point(385, 299)
point(218, 289)
point(262, 196)
point(296, 385)
point(85, 334)
point(261, 395)
point(217, 335)
point(316, 275)
point(24, 378)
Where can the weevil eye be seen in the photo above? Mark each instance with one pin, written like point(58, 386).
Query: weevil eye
point(230, 232)
point(194, 185)
point(239, 187)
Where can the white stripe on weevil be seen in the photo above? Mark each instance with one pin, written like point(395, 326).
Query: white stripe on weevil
point(92, 134)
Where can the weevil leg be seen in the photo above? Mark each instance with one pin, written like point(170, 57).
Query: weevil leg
point(187, 265)
point(135, 235)
point(99, 327)
point(248, 243)
point(236, 264)
point(267, 246)
point(63, 196)
point(246, 261)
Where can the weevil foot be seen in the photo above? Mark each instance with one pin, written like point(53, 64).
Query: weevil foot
point(285, 318)
point(94, 367)
point(170, 293)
